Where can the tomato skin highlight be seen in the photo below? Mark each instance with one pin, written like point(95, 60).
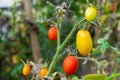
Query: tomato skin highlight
point(43, 72)
point(84, 42)
point(26, 70)
point(70, 65)
point(52, 33)
point(90, 13)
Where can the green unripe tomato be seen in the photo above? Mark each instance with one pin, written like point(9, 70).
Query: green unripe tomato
point(94, 77)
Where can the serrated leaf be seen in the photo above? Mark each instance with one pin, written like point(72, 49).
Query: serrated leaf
point(101, 41)
point(102, 49)
point(103, 45)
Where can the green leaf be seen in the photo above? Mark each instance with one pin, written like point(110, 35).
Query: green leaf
point(96, 53)
point(101, 41)
point(103, 45)
point(16, 69)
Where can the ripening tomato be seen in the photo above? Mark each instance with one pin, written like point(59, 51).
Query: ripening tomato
point(70, 65)
point(52, 33)
point(43, 72)
point(90, 13)
point(111, 8)
point(84, 42)
point(26, 70)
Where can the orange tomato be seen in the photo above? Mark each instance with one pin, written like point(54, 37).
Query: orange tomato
point(26, 70)
point(43, 72)
point(84, 42)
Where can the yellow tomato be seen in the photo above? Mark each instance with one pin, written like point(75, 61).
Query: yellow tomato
point(15, 59)
point(90, 13)
point(84, 42)
point(103, 18)
point(43, 72)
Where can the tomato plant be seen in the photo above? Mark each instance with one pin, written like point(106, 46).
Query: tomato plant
point(26, 70)
point(70, 65)
point(63, 15)
point(43, 72)
point(84, 42)
point(90, 13)
point(52, 33)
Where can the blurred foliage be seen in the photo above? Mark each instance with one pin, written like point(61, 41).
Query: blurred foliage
point(14, 33)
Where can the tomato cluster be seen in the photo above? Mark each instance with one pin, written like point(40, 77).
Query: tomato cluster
point(26, 70)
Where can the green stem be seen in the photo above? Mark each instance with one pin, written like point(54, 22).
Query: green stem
point(70, 34)
point(98, 64)
point(94, 60)
point(87, 1)
point(58, 38)
point(55, 58)
point(82, 58)
point(58, 32)
point(116, 64)
point(113, 76)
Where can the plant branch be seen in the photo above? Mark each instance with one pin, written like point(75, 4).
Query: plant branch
point(92, 59)
point(58, 32)
point(117, 62)
point(113, 76)
point(87, 1)
point(70, 34)
point(59, 49)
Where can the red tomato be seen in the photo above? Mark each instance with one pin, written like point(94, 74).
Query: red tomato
point(52, 33)
point(70, 65)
